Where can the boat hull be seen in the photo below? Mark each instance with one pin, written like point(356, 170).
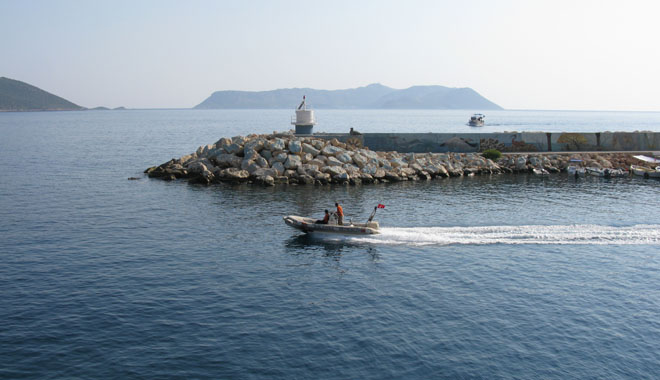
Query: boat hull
point(309, 225)
point(645, 172)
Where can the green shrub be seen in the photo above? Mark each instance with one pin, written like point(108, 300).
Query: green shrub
point(492, 154)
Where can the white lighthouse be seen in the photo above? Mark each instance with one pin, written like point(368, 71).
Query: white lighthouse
point(304, 119)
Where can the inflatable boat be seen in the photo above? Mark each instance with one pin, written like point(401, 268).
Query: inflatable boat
point(310, 225)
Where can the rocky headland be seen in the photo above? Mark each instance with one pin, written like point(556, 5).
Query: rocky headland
point(284, 158)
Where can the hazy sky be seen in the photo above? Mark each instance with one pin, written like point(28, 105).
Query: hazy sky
point(582, 55)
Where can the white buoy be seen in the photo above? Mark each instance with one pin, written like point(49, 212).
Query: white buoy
point(304, 119)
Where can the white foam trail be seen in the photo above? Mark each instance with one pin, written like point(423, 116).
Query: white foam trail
point(563, 234)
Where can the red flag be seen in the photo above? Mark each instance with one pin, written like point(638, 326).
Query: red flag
point(381, 206)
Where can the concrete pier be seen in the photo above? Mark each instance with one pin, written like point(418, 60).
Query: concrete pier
point(504, 141)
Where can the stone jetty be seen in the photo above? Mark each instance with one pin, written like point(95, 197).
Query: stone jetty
point(284, 158)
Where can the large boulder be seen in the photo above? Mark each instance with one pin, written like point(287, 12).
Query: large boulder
point(240, 140)
point(261, 162)
point(280, 157)
point(233, 148)
point(263, 172)
point(265, 180)
point(275, 144)
point(292, 161)
point(306, 179)
point(225, 160)
point(333, 162)
point(279, 167)
point(196, 167)
point(295, 146)
point(223, 142)
point(369, 169)
point(307, 148)
point(203, 178)
point(333, 170)
point(251, 155)
point(253, 167)
point(267, 154)
point(331, 150)
point(344, 157)
point(253, 145)
point(307, 169)
point(521, 163)
point(359, 160)
point(187, 158)
point(306, 157)
point(398, 163)
point(234, 175)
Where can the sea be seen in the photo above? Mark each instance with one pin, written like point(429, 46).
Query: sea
point(484, 277)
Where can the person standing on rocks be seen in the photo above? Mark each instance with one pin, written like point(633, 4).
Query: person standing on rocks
point(340, 214)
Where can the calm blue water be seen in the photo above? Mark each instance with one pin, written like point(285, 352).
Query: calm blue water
point(480, 277)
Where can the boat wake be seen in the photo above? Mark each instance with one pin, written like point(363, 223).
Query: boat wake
point(587, 234)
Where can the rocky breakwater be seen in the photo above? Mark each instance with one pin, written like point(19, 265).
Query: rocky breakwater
point(288, 159)
point(558, 162)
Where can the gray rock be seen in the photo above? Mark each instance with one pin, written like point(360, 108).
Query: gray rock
point(233, 148)
point(256, 145)
point(240, 140)
point(292, 161)
point(310, 149)
point(370, 169)
point(344, 158)
point(275, 144)
point(333, 162)
point(330, 150)
point(225, 160)
point(233, 174)
point(279, 167)
point(196, 167)
point(398, 163)
point(267, 154)
point(307, 169)
point(306, 157)
point(263, 172)
point(280, 157)
point(253, 167)
point(341, 177)
point(317, 162)
point(261, 162)
point(359, 160)
point(333, 170)
point(295, 146)
point(306, 179)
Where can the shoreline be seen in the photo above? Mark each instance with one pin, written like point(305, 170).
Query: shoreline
point(285, 158)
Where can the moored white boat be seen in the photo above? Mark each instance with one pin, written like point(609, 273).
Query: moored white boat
point(645, 172)
point(576, 171)
point(540, 171)
point(606, 173)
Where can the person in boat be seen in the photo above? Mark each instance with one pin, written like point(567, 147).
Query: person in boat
point(325, 218)
point(340, 214)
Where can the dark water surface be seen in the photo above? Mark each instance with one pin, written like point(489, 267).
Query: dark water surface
point(480, 277)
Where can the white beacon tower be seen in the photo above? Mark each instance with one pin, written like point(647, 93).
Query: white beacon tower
point(304, 120)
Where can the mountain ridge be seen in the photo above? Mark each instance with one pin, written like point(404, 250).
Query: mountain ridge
point(20, 96)
point(373, 96)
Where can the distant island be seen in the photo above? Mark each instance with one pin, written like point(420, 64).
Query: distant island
point(373, 96)
point(20, 96)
